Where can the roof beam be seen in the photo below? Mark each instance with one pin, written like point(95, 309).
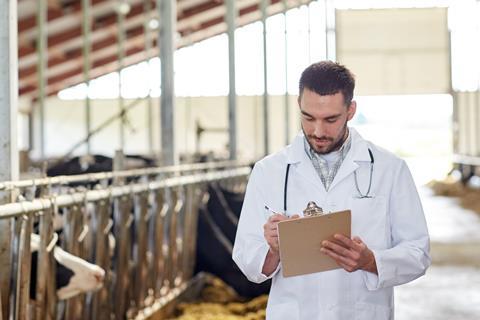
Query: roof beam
point(106, 29)
point(65, 70)
point(73, 75)
point(55, 11)
point(110, 41)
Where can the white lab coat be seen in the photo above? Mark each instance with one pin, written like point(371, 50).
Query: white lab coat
point(392, 225)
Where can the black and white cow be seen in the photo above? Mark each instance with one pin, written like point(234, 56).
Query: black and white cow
point(73, 275)
point(216, 229)
point(97, 163)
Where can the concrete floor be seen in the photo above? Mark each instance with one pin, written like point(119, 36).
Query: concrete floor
point(451, 288)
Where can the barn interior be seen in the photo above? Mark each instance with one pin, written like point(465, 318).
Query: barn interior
point(129, 129)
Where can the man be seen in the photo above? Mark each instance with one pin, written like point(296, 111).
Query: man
point(331, 164)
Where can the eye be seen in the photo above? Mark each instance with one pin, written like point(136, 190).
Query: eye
point(307, 117)
point(331, 120)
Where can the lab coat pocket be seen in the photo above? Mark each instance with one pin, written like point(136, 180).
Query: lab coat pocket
point(283, 311)
point(369, 219)
point(368, 311)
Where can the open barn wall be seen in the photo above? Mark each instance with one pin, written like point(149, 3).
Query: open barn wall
point(65, 125)
point(466, 131)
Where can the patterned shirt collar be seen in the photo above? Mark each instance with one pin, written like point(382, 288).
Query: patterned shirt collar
point(325, 172)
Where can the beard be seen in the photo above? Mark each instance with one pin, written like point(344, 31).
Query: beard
point(335, 142)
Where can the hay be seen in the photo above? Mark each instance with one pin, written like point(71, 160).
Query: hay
point(218, 301)
point(447, 187)
point(469, 198)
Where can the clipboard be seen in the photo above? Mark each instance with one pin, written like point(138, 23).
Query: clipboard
point(300, 241)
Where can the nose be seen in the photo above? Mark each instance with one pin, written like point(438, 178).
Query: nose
point(318, 130)
point(99, 275)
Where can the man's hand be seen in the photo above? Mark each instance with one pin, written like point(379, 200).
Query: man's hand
point(270, 232)
point(350, 254)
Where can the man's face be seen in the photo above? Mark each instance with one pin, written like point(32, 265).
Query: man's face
point(324, 119)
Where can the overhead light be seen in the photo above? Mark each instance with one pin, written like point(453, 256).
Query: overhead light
point(123, 8)
point(153, 24)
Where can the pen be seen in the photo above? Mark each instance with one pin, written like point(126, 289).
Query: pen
point(272, 212)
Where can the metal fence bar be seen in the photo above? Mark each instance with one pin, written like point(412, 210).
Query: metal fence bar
point(123, 218)
point(44, 268)
point(161, 210)
point(193, 196)
point(140, 249)
point(16, 262)
point(21, 267)
point(181, 234)
point(150, 221)
point(51, 294)
point(180, 212)
point(169, 246)
point(17, 209)
point(93, 177)
point(75, 232)
point(101, 301)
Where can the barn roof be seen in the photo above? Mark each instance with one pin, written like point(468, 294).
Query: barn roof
point(196, 21)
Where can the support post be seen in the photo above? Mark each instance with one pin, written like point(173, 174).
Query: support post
point(86, 25)
point(41, 67)
point(168, 18)
point(147, 7)
point(330, 45)
point(121, 55)
point(264, 5)
point(286, 99)
point(232, 94)
point(8, 134)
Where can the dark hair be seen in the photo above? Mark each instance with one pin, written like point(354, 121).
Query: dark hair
point(327, 78)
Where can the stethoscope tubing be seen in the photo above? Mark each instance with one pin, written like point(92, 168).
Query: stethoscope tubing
point(360, 194)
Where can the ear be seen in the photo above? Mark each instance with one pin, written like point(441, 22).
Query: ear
point(299, 101)
point(352, 108)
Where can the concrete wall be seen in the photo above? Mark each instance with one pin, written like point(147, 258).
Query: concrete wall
point(65, 125)
point(466, 130)
point(395, 51)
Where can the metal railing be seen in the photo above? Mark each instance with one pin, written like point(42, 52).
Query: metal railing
point(153, 222)
point(101, 176)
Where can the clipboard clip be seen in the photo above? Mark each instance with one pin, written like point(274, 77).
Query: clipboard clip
point(312, 210)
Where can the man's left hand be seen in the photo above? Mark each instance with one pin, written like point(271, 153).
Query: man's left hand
point(350, 254)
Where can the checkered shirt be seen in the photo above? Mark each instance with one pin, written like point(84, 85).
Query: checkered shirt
point(325, 172)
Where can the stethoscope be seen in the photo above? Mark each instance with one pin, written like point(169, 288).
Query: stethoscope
point(360, 195)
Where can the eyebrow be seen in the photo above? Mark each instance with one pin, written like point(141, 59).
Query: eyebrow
point(327, 118)
point(333, 117)
point(306, 113)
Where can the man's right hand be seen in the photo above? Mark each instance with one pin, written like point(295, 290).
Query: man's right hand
point(270, 230)
point(270, 233)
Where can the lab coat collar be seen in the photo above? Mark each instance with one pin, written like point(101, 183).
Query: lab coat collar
point(297, 156)
point(359, 150)
point(358, 153)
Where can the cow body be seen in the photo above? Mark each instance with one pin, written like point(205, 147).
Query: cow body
point(217, 225)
